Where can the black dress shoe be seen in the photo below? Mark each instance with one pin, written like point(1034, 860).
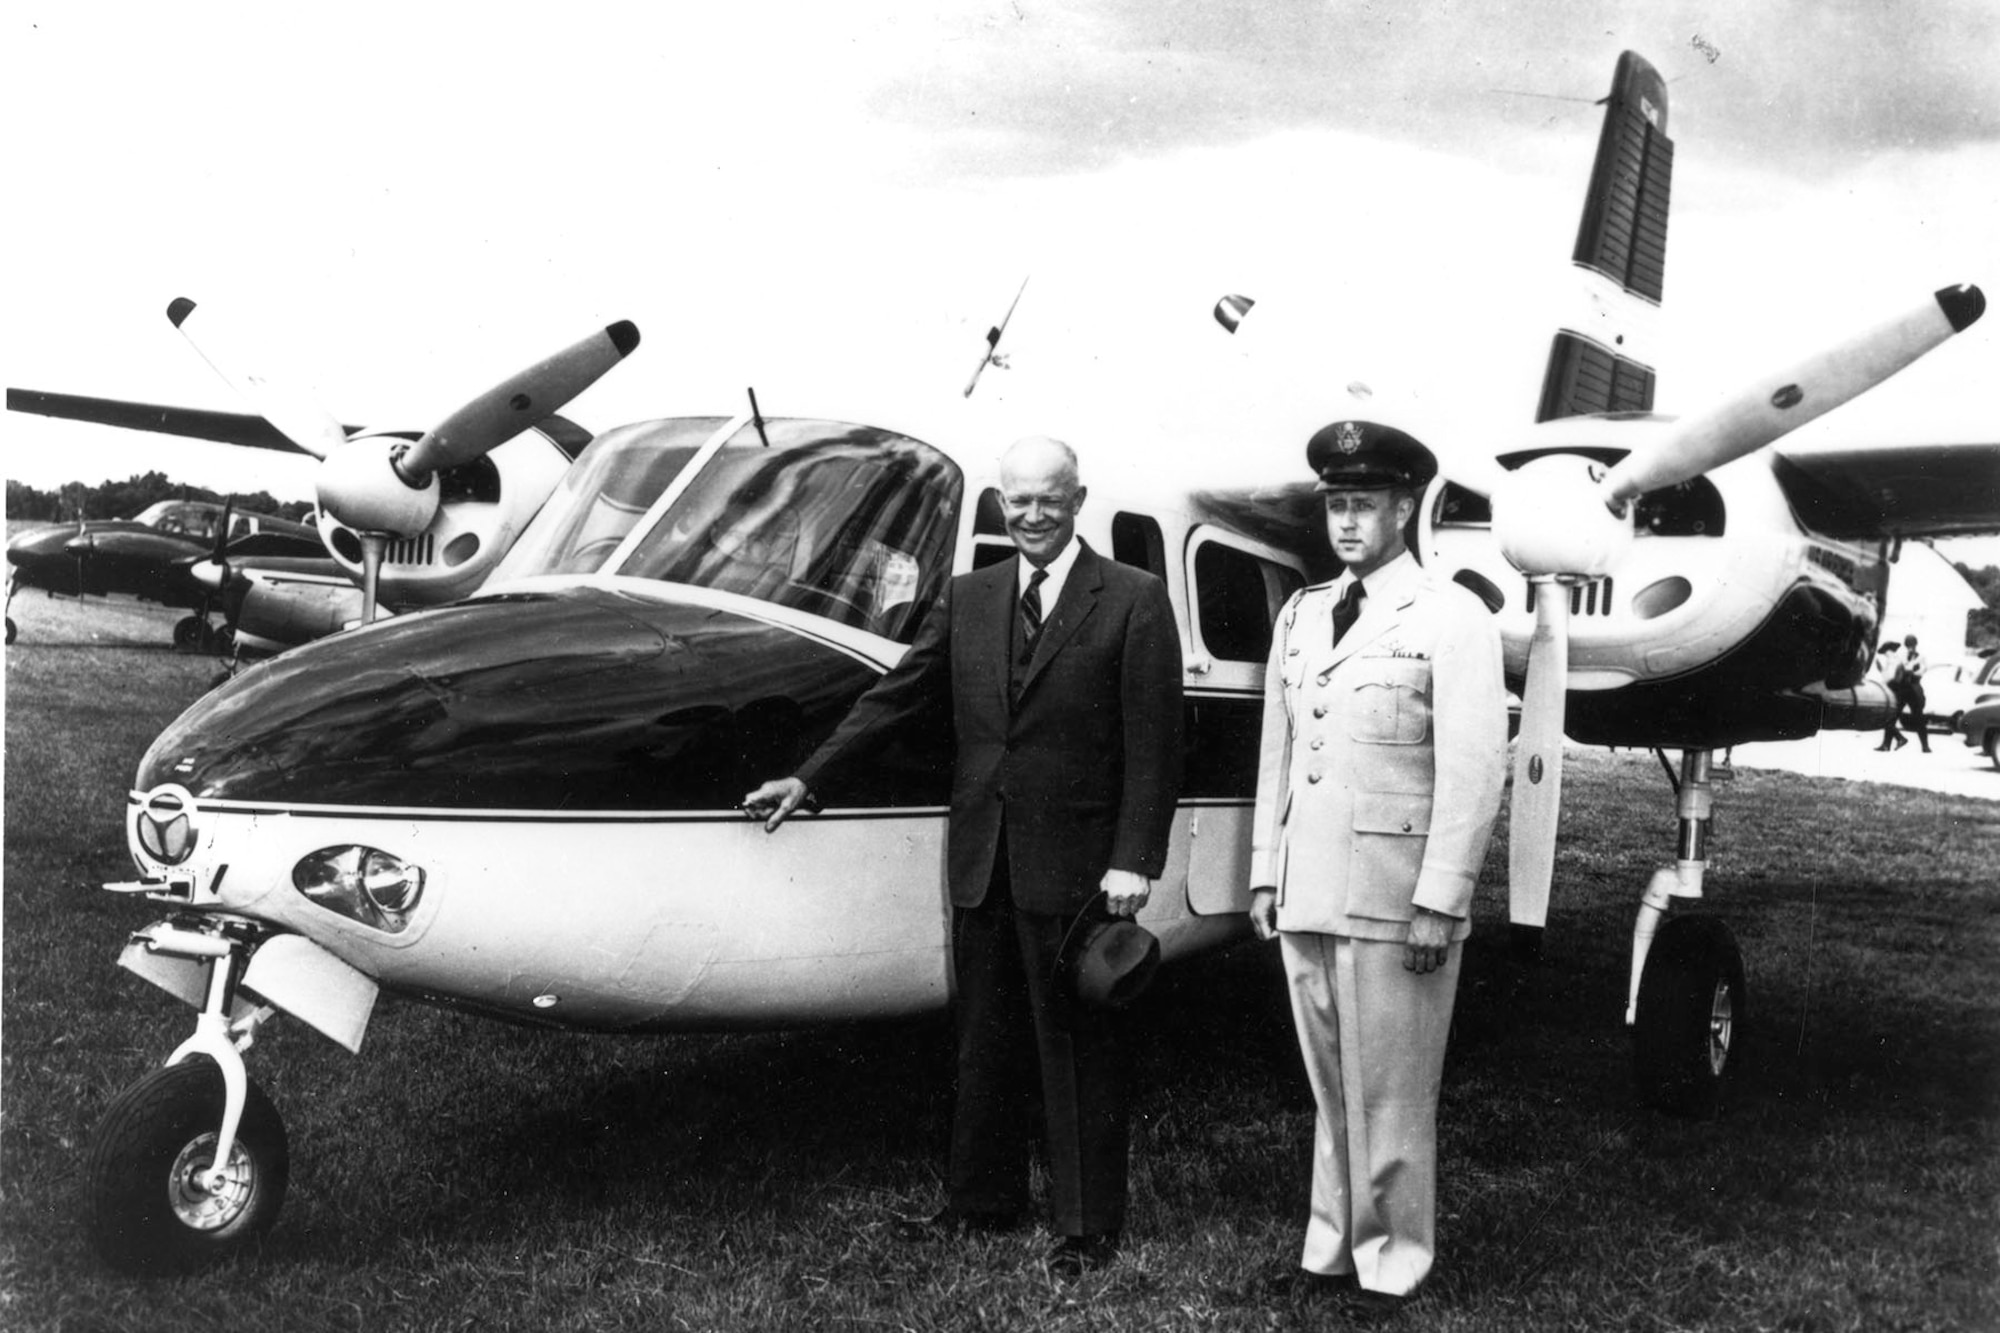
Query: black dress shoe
point(1374, 1307)
point(1310, 1286)
point(949, 1223)
point(1073, 1256)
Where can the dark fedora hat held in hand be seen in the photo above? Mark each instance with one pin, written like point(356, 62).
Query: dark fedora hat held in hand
point(1111, 962)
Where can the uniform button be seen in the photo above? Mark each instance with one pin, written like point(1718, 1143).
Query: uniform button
point(1314, 776)
point(1406, 826)
point(1291, 652)
point(1319, 742)
point(1319, 710)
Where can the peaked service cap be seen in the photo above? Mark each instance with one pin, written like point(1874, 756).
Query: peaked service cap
point(1367, 455)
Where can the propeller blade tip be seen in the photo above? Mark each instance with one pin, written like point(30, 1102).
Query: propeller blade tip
point(624, 336)
point(179, 309)
point(1962, 305)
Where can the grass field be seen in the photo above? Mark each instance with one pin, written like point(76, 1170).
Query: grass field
point(461, 1175)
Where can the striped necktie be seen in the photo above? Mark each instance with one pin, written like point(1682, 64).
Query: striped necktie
point(1031, 608)
point(1348, 609)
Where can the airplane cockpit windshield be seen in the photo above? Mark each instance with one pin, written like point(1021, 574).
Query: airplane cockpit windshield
point(849, 522)
point(853, 523)
point(604, 495)
point(187, 518)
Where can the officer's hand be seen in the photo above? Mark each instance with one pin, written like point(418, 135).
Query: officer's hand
point(774, 802)
point(1125, 891)
point(1429, 939)
point(1264, 913)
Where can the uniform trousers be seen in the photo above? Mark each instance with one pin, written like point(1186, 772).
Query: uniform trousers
point(1020, 1031)
point(1373, 1036)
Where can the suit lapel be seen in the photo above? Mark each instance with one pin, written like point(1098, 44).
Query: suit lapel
point(991, 614)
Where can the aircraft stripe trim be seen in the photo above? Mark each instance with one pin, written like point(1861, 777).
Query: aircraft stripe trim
point(713, 816)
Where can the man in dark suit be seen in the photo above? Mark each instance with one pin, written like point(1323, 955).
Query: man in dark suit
point(1063, 675)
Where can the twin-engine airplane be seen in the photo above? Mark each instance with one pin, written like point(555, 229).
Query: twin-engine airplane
point(524, 804)
point(153, 556)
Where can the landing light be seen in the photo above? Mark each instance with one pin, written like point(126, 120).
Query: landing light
point(363, 884)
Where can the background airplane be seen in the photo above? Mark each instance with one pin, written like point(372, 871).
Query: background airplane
point(149, 556)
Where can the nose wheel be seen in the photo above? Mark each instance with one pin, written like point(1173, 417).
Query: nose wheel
point(156, 1200)
point(1690, 1023)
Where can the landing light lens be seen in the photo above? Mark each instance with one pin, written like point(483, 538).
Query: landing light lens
point(363, 884)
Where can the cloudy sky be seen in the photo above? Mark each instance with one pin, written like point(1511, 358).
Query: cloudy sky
point(831, 202)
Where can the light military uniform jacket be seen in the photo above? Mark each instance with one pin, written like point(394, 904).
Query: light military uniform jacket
point(1382, 759)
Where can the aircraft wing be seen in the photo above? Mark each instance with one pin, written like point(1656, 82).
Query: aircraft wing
point(1933, 490)
point(195, 423)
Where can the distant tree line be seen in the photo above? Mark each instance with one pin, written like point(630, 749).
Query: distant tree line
point(123, 499)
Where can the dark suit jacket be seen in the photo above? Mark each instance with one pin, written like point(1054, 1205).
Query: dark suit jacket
point(1083, 773)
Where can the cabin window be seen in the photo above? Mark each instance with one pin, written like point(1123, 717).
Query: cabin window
point(1136, 541)
point(1236, 599)
point(990, 542)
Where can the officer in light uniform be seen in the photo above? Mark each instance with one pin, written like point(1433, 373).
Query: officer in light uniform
point(1382, 763)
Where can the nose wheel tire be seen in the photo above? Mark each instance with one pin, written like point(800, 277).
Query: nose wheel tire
point(151, 1207)
point(1691, 1020)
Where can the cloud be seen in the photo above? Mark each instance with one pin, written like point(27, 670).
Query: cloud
point(1025, 88)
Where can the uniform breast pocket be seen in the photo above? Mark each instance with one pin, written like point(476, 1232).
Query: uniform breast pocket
point(1391, 702)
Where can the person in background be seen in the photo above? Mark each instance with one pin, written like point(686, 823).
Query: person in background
point(1888, 669)
point(1911, 698)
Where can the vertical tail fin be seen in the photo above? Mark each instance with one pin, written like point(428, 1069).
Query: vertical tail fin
point(1623, 240)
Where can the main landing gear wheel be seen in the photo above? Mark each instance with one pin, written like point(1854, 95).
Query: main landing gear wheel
point(189, 631)
point(1692, 1010)
point(149, 1210)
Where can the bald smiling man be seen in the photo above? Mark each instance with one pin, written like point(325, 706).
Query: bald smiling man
point(1063, 674)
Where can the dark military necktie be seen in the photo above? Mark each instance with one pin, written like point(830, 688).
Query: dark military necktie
point(1348, 609)
point(1031, 610)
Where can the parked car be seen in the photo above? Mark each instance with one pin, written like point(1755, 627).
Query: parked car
point(1981, 728)
point(1952, 687)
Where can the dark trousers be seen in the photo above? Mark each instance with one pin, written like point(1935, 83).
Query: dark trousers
point(1912, 701)
point(1019, 1030)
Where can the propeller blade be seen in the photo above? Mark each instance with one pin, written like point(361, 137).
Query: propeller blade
point(1781, 403)
point(222, 528)
point(296, 418)
point(1538, 760)
point(509, 408)
point(373, 547)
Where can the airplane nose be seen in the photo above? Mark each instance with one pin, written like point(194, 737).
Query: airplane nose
point(38, 543)
point(578, 700)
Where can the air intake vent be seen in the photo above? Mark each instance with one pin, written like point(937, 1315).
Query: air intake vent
point(411, 551)
point(1585, 599)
